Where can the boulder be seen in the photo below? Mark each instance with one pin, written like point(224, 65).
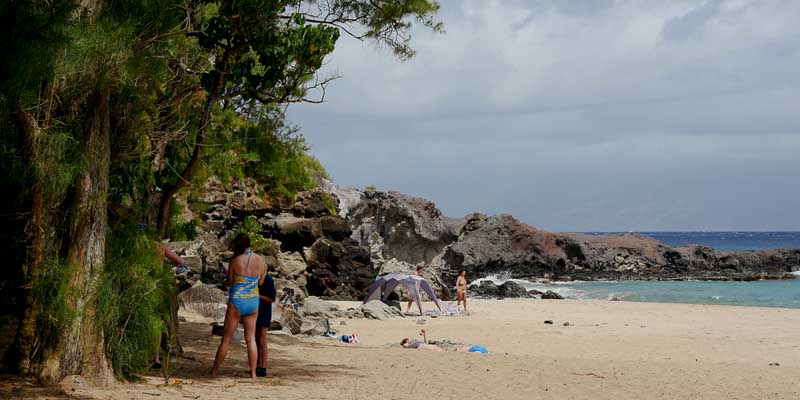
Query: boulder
point(291, 320)
point(206, 300)
point(508, 289)
point(379, 310)
point(194, 262)
point(334, 227)
point(289, 292)
point(551, 295)
point(412, 229)
point(314, 327)
point(290, 265)
point(316, 307)
point(314, 203)
point(354, 313)
point(186, 248)
point(275, 326)
point(339, 270)
point(347, 198)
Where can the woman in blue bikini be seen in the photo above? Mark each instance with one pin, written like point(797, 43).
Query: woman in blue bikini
point(245, 273)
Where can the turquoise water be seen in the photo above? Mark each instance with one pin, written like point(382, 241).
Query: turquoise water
point(783, 293)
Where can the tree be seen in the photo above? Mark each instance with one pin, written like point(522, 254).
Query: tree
point(270, 51)
point(101, 100)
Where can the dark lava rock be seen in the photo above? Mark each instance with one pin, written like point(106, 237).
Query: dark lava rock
point(551, 295)
point(314, 203)
point(502, 244)
point(339, 270)
point(508, 289)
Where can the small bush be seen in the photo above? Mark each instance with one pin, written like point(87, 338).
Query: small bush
point(258, 242)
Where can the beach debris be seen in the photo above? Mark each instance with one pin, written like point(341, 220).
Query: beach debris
point(343, 323)
point(591, 374)
point(774, 364)
point(422, 321)
point(350, 339)
point(566, 324)
point(548, 321)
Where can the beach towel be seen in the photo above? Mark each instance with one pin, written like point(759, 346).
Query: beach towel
point(478, 349)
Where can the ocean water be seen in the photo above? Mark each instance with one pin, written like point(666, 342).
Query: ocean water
point(727, 240)
point(781, 293)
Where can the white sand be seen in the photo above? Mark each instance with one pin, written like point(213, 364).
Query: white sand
point(610, 350)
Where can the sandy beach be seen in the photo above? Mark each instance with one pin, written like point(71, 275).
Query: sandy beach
point(608, 350)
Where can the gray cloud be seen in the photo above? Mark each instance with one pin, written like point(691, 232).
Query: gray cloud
point(580, 115)
point(684, 26)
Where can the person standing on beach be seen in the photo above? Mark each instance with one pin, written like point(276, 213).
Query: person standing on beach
point(266, 293)
point(418, 272)
point(245, 274)
point(461, 289)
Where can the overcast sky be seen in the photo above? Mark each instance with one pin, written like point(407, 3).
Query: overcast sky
point(579, 115)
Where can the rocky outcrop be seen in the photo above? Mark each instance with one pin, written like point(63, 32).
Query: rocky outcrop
point(339, 270)
point(508, 289)
point(332, 242)
point(501, 244)
point(410, 229)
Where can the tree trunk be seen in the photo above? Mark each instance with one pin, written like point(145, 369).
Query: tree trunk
point(82, 350)
point(40, 229)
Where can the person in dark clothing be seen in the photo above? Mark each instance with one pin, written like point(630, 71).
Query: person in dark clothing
point(266, 293)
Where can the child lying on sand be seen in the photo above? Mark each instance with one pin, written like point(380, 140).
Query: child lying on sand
point(424, 345)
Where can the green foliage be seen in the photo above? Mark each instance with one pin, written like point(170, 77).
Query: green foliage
point(258, 243)
point(264, 148)
point(389, 21)
point(371, 187)
point(264, 54)
point(179, 230)
point(132, 300)
point(330, 203)
point(50, 289)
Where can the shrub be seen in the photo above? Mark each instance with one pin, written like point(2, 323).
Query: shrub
point(133, 300)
